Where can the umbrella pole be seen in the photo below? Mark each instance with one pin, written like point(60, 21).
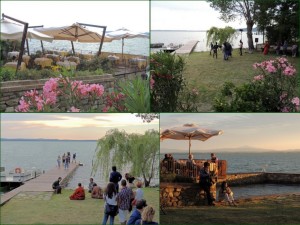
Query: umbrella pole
point(189, 146)
point(27, 45)
point(42, 47)
point(73, 47)
point(122, 49)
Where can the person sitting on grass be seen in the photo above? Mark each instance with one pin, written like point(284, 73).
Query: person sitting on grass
point(56, 186)
point(226, 193)
point(78, 194)
point(96, 192)
point(136, 217)
point(147, 215)
point(91, 185)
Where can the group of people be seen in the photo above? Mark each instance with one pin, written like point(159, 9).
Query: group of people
point(280, 46)
point(65, 160)
point(117, 201)
point(226, 49)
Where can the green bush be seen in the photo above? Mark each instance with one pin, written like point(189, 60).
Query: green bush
point(7, 74)
point(167, 75)
point(94, 64)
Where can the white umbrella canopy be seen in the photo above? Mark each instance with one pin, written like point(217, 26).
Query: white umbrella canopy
point(74, 32)
point(122, 33)
point(14, 31)
point(189, 132)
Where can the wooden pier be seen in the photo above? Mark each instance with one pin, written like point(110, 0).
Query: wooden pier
point(187, 48)
point(43, 183)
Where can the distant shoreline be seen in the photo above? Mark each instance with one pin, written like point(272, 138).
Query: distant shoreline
point(42, 139)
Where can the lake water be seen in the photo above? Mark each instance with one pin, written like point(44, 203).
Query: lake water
point(43, 155)
point(244, 162)
point(136, 46)
point(182, 37)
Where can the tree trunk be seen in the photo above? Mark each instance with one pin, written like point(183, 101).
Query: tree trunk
point(249, 34)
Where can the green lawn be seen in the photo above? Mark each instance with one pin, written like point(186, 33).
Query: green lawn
point(208, 74)
point(42, 208)
point(277, 210)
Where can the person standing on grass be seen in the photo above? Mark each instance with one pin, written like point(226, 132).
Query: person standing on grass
point(115, 177)
point(206, 183)
point(211, 48)
point(215, 50)
point(266, 48)
point(124, 202)
point(110, 198)
point(241, 48)
point(58, 161)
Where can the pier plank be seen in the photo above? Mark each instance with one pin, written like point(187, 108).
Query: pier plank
point(187, 48)
point(42, 183)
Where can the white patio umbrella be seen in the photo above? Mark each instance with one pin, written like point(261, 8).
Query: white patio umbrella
point(14, 31)
point(189, 132)
point(75, 32)
point(123, 33)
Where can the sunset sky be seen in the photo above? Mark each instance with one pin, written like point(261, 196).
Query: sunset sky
point(81, 126)
point(267, 131)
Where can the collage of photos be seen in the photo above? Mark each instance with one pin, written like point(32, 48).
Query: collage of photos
point(150, 112)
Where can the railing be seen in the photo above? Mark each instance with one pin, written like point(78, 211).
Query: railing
point(183, 168)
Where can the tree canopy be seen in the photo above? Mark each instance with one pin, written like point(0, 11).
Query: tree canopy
point(220, 35)
point(237, 9)
point(280, 18)
point(138, 152)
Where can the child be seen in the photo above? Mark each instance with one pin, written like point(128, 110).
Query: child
point(225, 190)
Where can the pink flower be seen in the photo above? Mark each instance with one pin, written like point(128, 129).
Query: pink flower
point(296, 101)
point(31, 93)
point(258, 77)
point(50, 85)
point(285, 109)
point(50, 97)
point(23, 107)
point(283, 96)
point(39, 103)
point(289, 71)
point(151, 83)
point(97, 89)
point(106, 108)
point(73, 109)
point(271, 69)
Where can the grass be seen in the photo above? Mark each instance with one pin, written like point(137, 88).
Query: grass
point(58, 209)
point(208, 74)
point(264, 210)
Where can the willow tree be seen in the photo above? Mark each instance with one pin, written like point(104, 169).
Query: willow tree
point(238, 9)
point(139, 152)
point(220, 35)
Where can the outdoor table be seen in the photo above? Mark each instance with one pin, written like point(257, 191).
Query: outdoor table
point(14, 65)
point(113, 59)
point(26, 59)
point(140, 63)
point(74, 59)
point(43, 62)
point(54, 57)
point(67, 64)
point(12, 54)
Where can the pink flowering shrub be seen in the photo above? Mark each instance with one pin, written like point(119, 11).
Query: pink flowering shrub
point(115, 102)
point(274, 89)
point(71, 94)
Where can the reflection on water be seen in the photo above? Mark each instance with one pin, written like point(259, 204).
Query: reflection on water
point(263, 189)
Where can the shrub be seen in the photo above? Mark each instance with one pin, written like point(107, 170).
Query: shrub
point(7, 74)
point(188, 99)
point(94, 64)
point(273, 89)
point(166, 81)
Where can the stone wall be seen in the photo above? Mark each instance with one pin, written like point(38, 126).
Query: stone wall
point(183, 194)
point(283, 178)
point(12, 91)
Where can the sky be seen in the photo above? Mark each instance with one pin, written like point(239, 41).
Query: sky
point(187, 15)
point(133, 15)
point(266, 131)
point(81, 126)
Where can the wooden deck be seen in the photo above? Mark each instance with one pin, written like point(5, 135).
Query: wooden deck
point(187, 48)
point(43, 183)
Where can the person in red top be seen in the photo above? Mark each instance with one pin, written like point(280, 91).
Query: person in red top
point(266, 48)
point(78, 194)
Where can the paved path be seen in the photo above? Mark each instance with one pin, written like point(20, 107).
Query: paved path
point(42, 183)
point(187, 48)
